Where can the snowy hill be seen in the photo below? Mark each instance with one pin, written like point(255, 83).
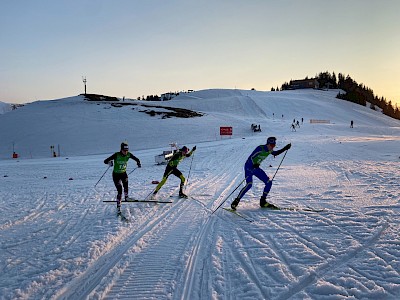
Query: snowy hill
point(81, 127)
point(4, 107)
point(59, 240)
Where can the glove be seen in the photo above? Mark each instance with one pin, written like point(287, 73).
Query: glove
point(110, 163)
point(287, 147)
point(194, 148)
point(256, 166)
point(139, 165)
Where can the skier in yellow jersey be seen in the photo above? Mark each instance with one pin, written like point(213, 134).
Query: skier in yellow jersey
point(172, 169)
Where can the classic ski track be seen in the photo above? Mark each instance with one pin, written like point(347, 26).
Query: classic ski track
point(191, 278)
point(86, 282)
point(195, 259)
point(151, 272)
point(248, 266)
point(226, 269)
point(233, 254)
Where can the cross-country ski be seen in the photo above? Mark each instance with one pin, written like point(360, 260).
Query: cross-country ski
point(240, 215)
point(135, 201)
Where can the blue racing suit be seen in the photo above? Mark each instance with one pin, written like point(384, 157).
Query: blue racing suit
point(252, 167)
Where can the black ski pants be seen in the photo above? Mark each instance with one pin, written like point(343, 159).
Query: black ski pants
point(118, 178)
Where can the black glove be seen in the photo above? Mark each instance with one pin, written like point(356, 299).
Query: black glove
point(287, 147)
point(139, 165)
point(194, 148)
point(256, 166)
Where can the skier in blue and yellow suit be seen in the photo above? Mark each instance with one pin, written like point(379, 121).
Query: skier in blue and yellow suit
point(252, 167)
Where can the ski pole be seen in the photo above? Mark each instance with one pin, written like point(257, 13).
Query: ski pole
point(190, 168)
point(132, 171)
point(279, 166)
point(229, 195)
point(102, 176)
point(147, 197)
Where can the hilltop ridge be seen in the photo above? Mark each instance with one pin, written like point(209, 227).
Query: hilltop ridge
point(92, 127)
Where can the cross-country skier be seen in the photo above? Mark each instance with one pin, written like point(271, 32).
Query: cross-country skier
point(120, 162)
point(172, 169)
point(252, 167)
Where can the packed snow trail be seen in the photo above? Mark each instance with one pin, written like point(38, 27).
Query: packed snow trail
point(58, 240)
point(68, 244)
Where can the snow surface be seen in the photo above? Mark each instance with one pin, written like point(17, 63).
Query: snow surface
point(58, 240)
point(5, 107)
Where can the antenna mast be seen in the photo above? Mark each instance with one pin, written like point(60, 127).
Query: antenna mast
point(84, 82)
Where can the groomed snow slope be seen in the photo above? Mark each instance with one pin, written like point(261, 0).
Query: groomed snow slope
point(58, 240)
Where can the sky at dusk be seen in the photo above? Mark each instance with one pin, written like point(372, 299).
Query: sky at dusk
point(131, 48)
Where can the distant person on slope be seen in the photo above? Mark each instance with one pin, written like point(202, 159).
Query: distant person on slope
point(252, 167)
point(120, 162)
point(172, 169)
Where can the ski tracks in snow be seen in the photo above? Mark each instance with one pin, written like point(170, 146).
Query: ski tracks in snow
point(144, 264)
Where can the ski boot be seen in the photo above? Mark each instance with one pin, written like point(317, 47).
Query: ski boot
point(235, 203)
point(127, 198)
point(265, 204)
point(153, 196)
point(269, 205)
point(182, 195)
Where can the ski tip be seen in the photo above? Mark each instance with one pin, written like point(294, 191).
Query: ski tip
point(229, 209)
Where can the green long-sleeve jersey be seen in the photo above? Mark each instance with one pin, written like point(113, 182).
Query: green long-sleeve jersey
point(121, 161)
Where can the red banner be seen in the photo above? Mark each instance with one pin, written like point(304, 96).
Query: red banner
point(225, 130)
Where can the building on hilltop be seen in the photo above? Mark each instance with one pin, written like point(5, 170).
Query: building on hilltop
point(311, 83)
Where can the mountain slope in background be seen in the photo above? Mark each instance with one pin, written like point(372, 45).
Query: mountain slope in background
point(79, 127)
point(5, 107)
point(59, 240)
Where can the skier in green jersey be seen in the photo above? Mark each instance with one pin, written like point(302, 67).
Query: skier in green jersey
point(172, 169)
point(120, 162)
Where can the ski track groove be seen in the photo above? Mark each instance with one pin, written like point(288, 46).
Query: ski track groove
point(248, 266)
point(156, 266)
point(148, 241)
point(195, 258)
point(86, 282)
point(234, 253)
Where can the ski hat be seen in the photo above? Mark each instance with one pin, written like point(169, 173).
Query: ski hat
point(185, 149)
point(271, 140)
point(124, 146)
